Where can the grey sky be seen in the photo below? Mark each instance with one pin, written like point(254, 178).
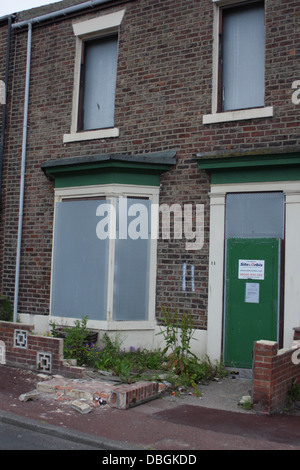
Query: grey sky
point(13, 6)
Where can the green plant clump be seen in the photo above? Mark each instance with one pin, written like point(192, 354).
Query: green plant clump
point(6, 310)
point(186, 369)
point(128, 365)
point(75, 340)
point(176, 362)
point(294, 394)
point(110, 356)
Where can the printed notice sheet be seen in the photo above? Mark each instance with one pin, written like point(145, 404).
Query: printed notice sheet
point(252, 293)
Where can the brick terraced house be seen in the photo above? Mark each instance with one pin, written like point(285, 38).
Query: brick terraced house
point(150, 157)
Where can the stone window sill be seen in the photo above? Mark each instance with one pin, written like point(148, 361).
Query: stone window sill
point(91, 135)
point(228, 116)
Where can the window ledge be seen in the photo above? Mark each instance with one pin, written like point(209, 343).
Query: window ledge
point(91, 135)
point(104, 325)
point(228, 116)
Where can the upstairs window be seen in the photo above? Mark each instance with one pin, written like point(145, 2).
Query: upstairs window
point(95, 78)
point(98, 83)
point(238, 78)
point(242, 58)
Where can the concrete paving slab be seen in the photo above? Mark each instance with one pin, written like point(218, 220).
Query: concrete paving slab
point(182, 423)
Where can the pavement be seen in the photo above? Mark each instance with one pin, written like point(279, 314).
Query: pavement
point(184, 423)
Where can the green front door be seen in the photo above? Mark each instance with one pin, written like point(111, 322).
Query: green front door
point(251, 297)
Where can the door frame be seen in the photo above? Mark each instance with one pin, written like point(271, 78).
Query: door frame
point(291, 275)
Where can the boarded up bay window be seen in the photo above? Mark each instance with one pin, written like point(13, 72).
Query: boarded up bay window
point(99, 272)
point(242, 59)
point(98, 83)
point(105, 237)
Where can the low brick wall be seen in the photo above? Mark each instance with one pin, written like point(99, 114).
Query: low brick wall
point(20, 347)
point(274, 370)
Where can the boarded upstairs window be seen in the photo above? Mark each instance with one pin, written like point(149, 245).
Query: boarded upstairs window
point(243, 59)
point(98, 83)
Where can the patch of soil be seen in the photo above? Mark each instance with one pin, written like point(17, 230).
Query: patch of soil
point(17, 381)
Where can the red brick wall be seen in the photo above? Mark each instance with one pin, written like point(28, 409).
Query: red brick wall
point(273, 373)
point(164, 86)
point(24, 354)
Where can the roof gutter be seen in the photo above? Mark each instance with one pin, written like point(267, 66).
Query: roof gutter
point(60, 13)
point(4, 19)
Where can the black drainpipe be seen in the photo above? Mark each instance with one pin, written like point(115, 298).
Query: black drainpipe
point(4, 106)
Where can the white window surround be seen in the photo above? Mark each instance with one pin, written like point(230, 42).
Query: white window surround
point(110, 191)
point(103, 24)
point(241, 114)
point(89, 29)
point(228, 116)
point(91, 135)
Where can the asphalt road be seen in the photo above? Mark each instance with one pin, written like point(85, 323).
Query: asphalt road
point(16, 438)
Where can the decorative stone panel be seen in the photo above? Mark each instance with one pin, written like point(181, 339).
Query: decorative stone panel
point(20, 339)
point(44, 361)
point(2, 353)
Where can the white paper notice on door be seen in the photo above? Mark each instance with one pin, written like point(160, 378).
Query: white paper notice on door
point(252, 293)
point(252, 269)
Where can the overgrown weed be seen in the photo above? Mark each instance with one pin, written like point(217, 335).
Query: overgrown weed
point(176, 363)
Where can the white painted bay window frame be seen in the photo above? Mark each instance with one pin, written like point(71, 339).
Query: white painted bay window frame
point(112, 192)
